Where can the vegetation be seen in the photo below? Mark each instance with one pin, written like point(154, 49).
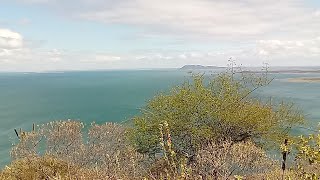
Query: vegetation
point(58, 146)
point(207, 128)
point(200, 113)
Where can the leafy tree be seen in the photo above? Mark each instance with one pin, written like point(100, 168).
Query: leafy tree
point(206, 110)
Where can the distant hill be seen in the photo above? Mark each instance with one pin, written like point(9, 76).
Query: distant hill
point(195, 67)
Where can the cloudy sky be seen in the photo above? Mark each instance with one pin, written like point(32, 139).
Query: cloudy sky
point(46, 35)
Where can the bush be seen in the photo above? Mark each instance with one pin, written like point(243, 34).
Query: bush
point(225, 160)
point(46, 167)
point(200, 113)
point(306, 157)
point(106, 150)
point(107, 155)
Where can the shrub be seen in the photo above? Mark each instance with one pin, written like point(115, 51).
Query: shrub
point(104, 150)
point(225, 160)
point(34, 167)
point(301, 160)
point(307, 157)
point(200, 113)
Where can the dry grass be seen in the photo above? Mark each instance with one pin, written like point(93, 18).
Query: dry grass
point(103, 152)
point(61, 150)
point(225, 160)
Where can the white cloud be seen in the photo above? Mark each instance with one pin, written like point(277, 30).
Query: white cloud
point(103, 58)
point(317, 13)
point(10, 39)
point(282, 32)
point(213, 19)
point(15, 55)
point(228, 19)
point(290, 48)
point(182, 56)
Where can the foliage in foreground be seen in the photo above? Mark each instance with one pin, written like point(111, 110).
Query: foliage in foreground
point(206, 111)
point(105, 153)
point(305, 152)
point(66, 156)
point(98, 159)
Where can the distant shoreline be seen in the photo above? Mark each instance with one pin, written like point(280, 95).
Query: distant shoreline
point(304, 80)
point(285, 71)
point(255, 70)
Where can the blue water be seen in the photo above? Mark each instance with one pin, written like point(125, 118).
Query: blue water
point(110, 96)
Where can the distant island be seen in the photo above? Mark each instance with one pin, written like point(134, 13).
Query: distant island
point(199, 67)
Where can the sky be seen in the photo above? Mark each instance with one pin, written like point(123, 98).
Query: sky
point(58, 35)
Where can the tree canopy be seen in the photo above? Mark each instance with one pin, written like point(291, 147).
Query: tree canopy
point(208, 109)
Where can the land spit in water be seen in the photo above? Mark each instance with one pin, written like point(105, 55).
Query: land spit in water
point(305, 79)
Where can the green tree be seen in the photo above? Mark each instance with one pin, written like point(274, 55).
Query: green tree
point(206, 110)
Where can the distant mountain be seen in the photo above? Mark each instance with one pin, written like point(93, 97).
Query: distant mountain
point(195, 67)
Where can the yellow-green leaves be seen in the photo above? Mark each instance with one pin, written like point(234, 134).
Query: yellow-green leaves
point(209, 109)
